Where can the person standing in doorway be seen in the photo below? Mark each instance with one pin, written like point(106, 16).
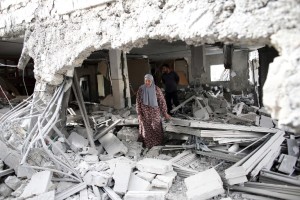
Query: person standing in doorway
point(170, 79)
point(150, 105)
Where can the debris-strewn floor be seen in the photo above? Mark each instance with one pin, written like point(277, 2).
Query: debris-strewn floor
point(217, 150)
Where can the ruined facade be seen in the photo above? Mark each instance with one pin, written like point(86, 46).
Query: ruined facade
point(59, 35)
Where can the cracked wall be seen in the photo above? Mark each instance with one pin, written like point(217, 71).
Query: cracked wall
point(59, 36)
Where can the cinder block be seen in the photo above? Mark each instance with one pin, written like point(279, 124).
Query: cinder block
point(5, 191)
point(155, 166)
point(161, 184)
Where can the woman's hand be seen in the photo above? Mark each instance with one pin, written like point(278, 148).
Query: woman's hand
point(167, 116)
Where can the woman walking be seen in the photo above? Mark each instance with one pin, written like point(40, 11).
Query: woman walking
point(150, 105)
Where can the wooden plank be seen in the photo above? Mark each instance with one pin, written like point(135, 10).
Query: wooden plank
point(6, 172)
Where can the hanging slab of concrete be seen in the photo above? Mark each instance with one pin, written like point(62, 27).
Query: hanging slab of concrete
point(112, 144)
point(145, 195)
point(138, 184)
point(45, 196)
point(155, 166)
point(121, 176)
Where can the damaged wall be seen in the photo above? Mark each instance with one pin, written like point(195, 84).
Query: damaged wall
point(59, 35)
point(239, 71)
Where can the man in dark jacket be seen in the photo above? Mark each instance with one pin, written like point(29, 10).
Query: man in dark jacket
point(170, 79)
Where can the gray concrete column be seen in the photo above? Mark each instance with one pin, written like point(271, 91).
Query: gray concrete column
point(198, 62)
point(117, 78)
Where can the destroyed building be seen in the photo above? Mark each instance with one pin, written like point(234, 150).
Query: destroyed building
point(69, 71)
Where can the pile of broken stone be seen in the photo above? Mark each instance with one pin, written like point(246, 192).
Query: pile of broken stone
point(54, 162)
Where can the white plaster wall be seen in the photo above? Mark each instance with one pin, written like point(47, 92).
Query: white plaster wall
point(59, 35)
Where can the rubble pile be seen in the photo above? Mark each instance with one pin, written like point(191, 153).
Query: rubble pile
point(220, 151)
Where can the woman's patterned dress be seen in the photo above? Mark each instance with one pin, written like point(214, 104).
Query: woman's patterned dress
point(150, 127)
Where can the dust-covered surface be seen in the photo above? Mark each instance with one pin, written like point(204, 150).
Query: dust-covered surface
point(60, 35)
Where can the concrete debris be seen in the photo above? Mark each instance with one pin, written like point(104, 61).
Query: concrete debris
point(38, 184)
point(77, 140)
point(138, 184)
point(154, 166)
point(5, 191)
point(204, 185)
point(112, 144)
point(121, 176)
point(212, 134)
point(13, 182)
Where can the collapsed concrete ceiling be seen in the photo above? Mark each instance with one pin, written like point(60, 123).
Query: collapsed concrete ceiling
point(60, 35)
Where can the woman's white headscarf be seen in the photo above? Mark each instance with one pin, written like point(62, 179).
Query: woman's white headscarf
point(149, 93)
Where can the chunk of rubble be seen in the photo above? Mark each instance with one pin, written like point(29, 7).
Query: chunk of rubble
point(145, 175)
point(99, 179)
point(13, 182)
point(39, 183)
point(112, 144)
point(77, 140)
point(155, 166)
point(138, 184)
point(128, 134)
point(204, 185)
point(121, 176)
point(5, 191)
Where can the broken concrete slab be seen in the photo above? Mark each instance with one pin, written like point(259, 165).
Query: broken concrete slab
point(38, 184)
point(13, 182)
point(144, 195)
point(167, 177)
point(77, 140)
point(128, 134)
point(5, 191)
point(161, 184)
point(145, 175)
point(122, 176)
point(266, 122)
point(155, 166)
point(204, 185)
point(138, 184)
point(99, 179)
point(112, 144)
point(287, 165)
